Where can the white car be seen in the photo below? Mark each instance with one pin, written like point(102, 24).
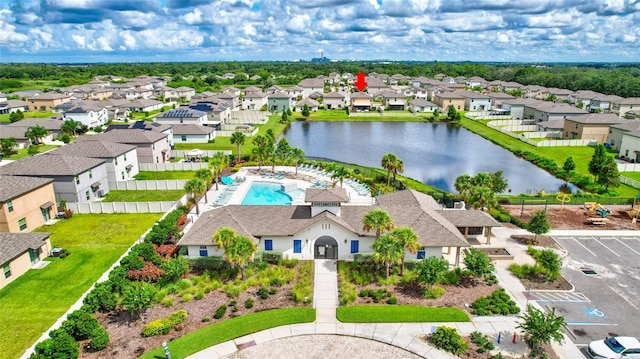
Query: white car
point(615, 348)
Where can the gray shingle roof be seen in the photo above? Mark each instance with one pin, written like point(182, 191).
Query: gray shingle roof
point(14, 244)
point(96, 149)
point(15, 186)
point(597, 119)
point(50, 165)
point(421, 102)
point(192, 130)
point(326, 195)
point(48, 123)
point(334, 94)
point(133, 136)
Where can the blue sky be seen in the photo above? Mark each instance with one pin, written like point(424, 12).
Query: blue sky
point(222, 30)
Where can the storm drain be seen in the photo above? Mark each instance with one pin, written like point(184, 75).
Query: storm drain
point(589, 271)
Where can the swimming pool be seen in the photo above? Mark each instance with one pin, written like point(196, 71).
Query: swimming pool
point(266, 194)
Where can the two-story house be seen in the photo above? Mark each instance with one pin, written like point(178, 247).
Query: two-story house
point(475, 101)
point(26, 203)
point(446, 99)
point(46, 101)
point(19, 252)
point(151, 146)
point(311, 85)
point(89, 115)
point(334, 100)
point(281, 101)
point(255, 101)
point(182, 115)
point(361, 101)
point(590, 126)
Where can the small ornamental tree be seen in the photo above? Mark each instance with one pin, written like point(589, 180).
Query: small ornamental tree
point(539, 224)
point(597, 161)
point(478, 262)
point(609, 175)
point(567, 168)
point(451, 113)
point(305, 111)
point(550, 261)
point(540, 327)
point(431, 269)
point(137, 298)
point(284, 118)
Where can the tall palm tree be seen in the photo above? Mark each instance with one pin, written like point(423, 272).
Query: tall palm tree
point(463, 185)
point(35, 133)
point(408, 240)
point(387, 250)
point(261, 150)
point(388, 162)
point(482, 197)
point(206, 176)
point(218, 163)
point(238, 138)
point(377, 220)
point(340, 173)
point(297, 156)
point(239, 252)
point(397, 168)
point(195, 187)
point(223, 236)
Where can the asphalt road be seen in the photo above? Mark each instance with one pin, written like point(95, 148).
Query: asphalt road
point(606, 274)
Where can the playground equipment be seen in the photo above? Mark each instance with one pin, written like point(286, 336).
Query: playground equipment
point(603, 211)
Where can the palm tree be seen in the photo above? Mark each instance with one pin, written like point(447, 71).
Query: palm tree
point(482, 197)
point(388, 162)
point(223, 236)
point(340, 173)
point(398, 168)
point(35, 133)
point(463, 185)
point(238, 138)
point(387, 250)
point(297, 156)
point(262, 143)
point(194, 187)
point(377, 220)
point(408, 239)
point(218, 163)
point(239, 252)
point(206, 176)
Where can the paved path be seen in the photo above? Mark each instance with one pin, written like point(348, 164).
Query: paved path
point(325, 293)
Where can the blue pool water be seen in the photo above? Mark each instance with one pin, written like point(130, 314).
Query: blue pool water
point(266, 194)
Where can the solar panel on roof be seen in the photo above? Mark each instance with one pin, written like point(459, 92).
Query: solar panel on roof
point(139, 125)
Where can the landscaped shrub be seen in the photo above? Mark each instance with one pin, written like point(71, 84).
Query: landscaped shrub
point(548, 260)
point(175, 268)
point(376, 295)
point(433, 293)
point(148, 273)
point(448, 339)
point(80, 324)
point(363, 258)
point(164, 325)
point(199, 264)
point(497, 302)
point(482, 342)
point(248, 303)
point(271, 257)
point(166, 250)
point(99, 339)
point(411, 264)
point(148, 253)
point(101, 298)
point(392, 300)
point(524, 271)
point(288, 263)
point(118, 279)
point(263, 293)
point(220, 312)
point(59, 345)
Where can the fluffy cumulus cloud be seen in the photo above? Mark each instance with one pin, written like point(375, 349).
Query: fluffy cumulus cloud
point(444, 30)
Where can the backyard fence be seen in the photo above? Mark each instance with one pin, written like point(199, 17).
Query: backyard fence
point(629, 181)
point(574, 200)
point(147, 185)
point(628, 167)
point(228, 130)
point(183, 154)
point(125, 207)
point(544, 143)
point(173, 166)
point(248, 116)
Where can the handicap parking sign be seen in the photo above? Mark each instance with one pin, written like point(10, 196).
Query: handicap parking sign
point(593, 312)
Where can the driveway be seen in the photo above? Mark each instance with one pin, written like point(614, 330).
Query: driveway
point(606, 274)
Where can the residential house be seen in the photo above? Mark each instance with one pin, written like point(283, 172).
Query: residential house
point(231, 98)
point(281, 101)
point(557, 94)
point(446, 99)
point(393, 101)
point(190, 133)
point(46, 101)
point(297, 92)
point(329, 230)
point(146, 126)
point(628, 108)
point(517, 106)
point(498, 97)
point(630, 146)
point(218, 111)
point(143, 105)
point(316, 96)
point(17, 130)
point(90, 115)
point(333, 101)
point(151, 146)
point(311, 85)
point(51, 124)
point(180, 94)
point(19, 252)
point(361, 101)
point(99, 94)
point(255, 101)
point(120, 159)
point(75, 179)
point(10, 106)
point(549, 111)
point(273, 89)
point(510, 86)
point(589, 126)
point(312, 104)
point(477, 82)
point(26, 203)
point(231, 89)
point(182, 115)
point(138, 93)
point(592, 101)
point(475, 101)
point(375, 85)
point(616, 132)
point(421, 105)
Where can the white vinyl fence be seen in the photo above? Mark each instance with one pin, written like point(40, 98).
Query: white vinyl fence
point(147, 185)
point(174, 166)
point(628, 167)
point(545, 143)
point(123, 207)
point(628, 181)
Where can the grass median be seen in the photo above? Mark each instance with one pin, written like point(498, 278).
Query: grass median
point(35, 300)
point(400, 314)
point(232, 328)
point(144, 195)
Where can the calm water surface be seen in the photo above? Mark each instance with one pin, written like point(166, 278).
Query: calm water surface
point(435, 154)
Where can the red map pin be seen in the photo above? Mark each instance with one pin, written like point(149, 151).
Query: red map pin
point(360, 82)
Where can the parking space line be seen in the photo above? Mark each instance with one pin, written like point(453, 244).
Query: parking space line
point(591, 323)
point(602, 244)
point(631, 249)
point(583, 246)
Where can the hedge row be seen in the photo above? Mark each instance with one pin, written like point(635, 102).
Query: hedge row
point(164, 325)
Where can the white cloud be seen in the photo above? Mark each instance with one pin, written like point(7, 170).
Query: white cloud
point(79, 40)
point(299, 23)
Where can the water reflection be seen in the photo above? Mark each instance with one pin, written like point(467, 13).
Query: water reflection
point(434, 153)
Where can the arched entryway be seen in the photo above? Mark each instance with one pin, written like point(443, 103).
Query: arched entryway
point(325, 248)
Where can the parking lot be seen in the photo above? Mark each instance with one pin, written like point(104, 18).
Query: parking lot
point(606, 274)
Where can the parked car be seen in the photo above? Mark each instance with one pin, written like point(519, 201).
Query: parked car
point(615, 348)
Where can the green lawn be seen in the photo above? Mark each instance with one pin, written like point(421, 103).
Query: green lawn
point(5, 117)
point(165, 175)
point(399, 314)
point(144, 196)
point(34, 301)
point(25, 152)
point(232, 328)
point(632, 175)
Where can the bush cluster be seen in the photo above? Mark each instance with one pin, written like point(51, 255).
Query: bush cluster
point(263, 293)
point(288, 263)
point(213, 264)
point(101, 298)
point(220, 312)
point(164, 325)
point(248, 303)
point(497, 302)
point(482, 342)
point(448, 339)
point(376, 295)
point(363, 258)
point(271, 257)
point(166, 229)
point(433, 293)
point(99, 339)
